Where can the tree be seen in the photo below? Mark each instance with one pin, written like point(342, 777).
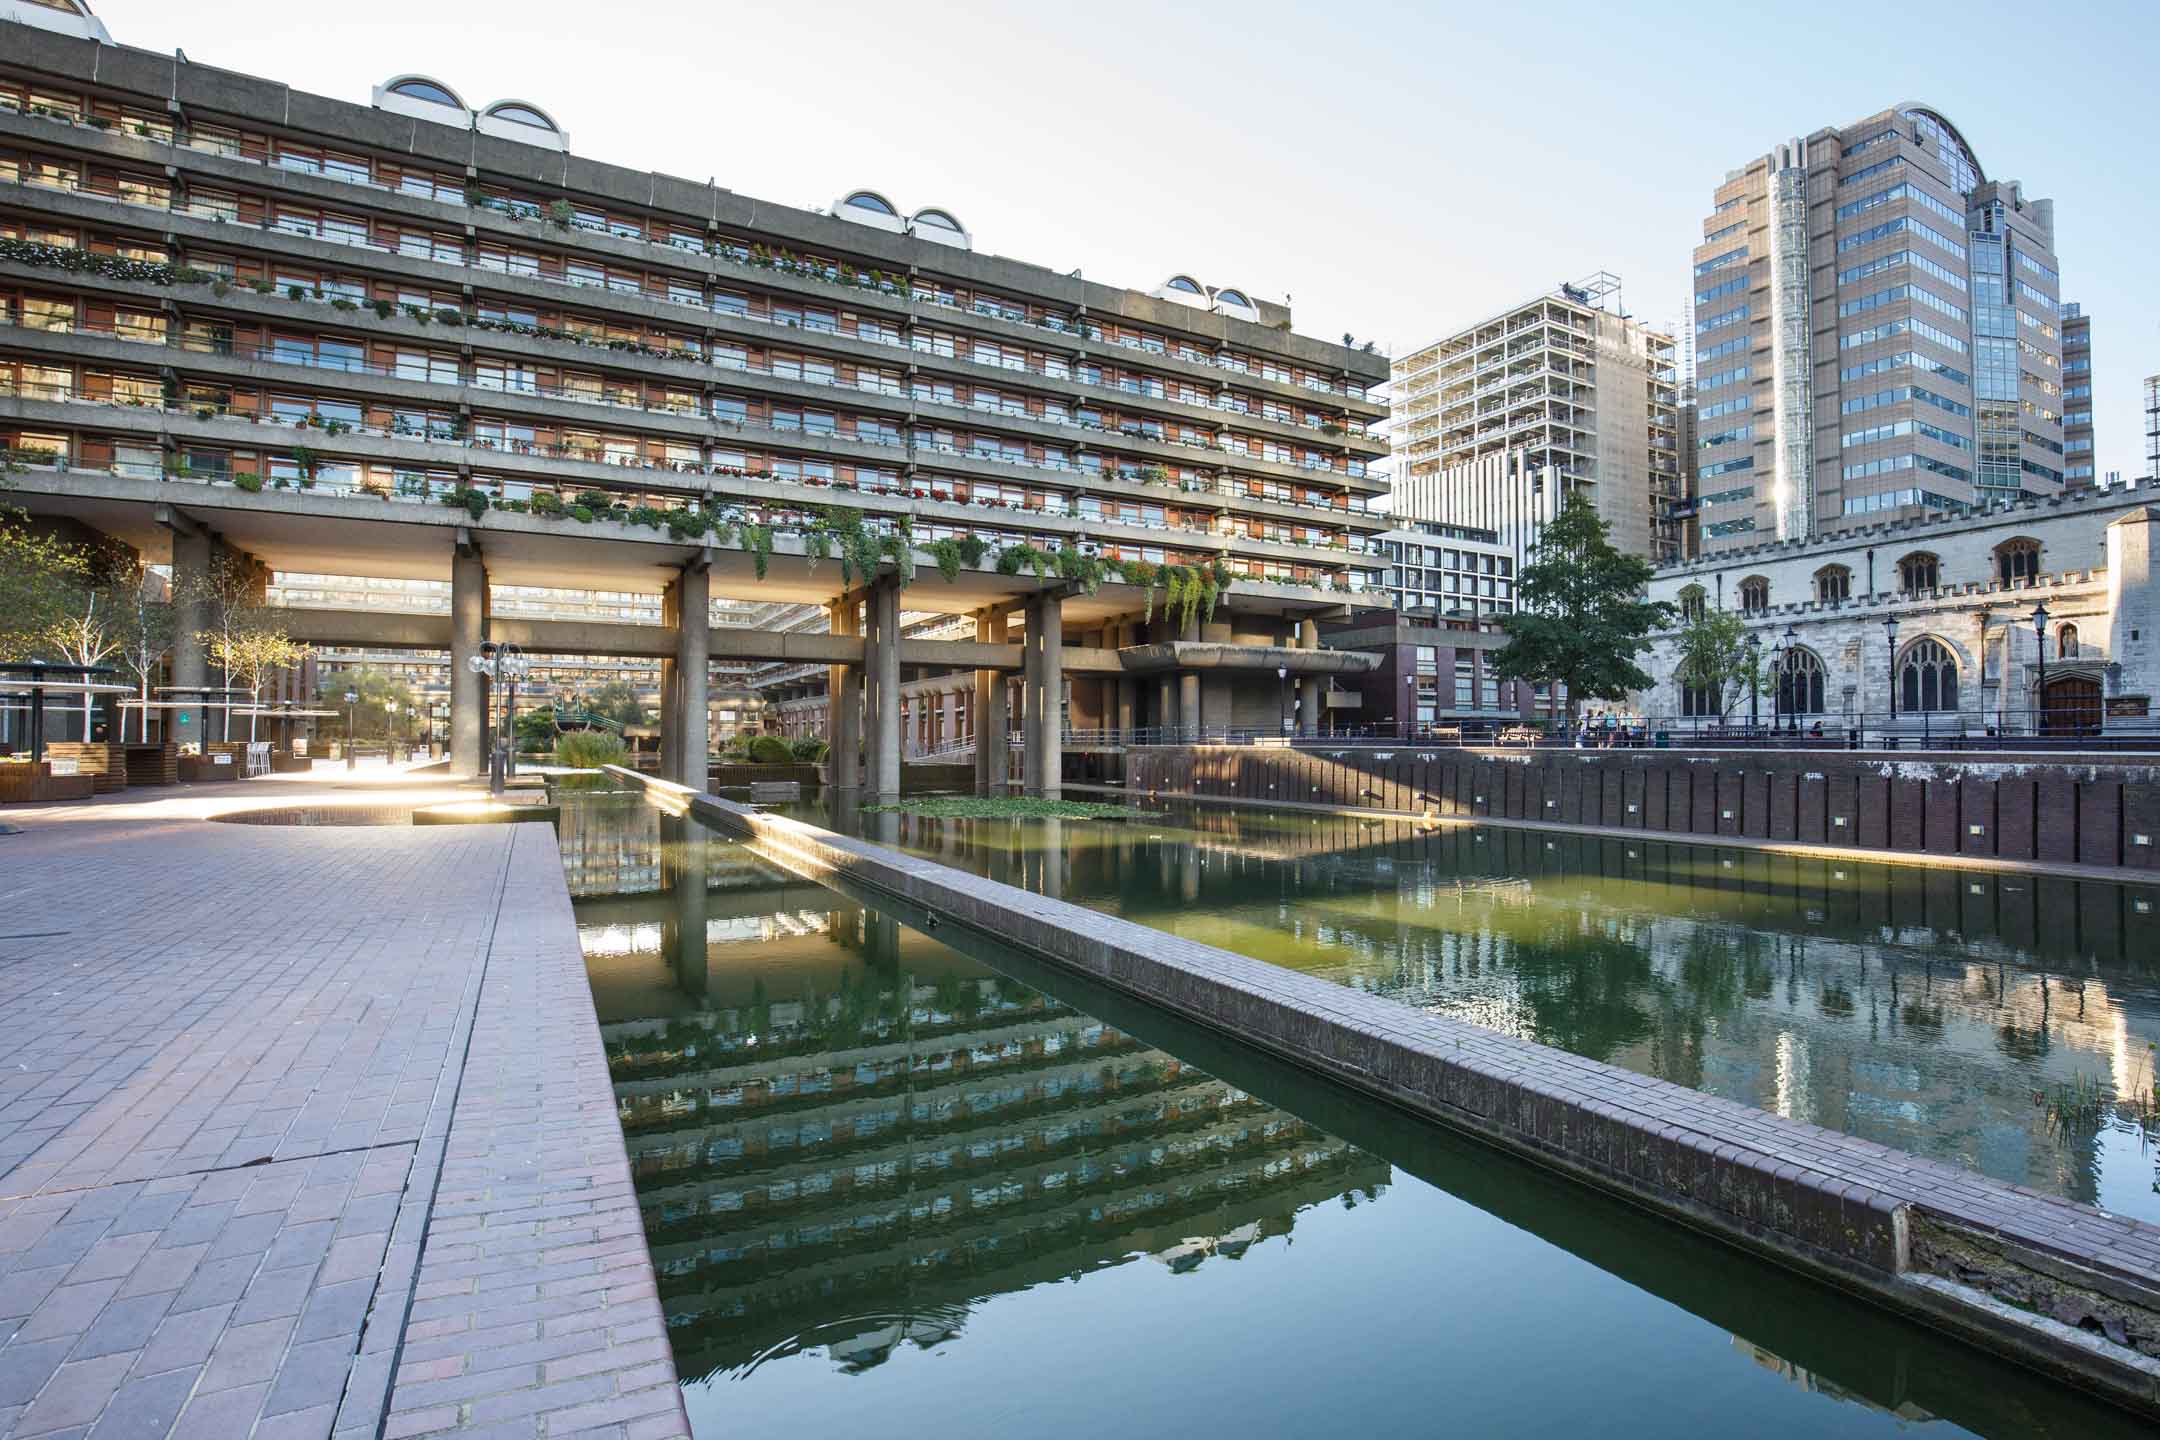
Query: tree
point(1715, 656)
point(249, 655)
point(377, 692)
point(145, 627)
point(88, 633)
point(41, 583)
point(618, 701)
point(1582, 616)
point(245, 635)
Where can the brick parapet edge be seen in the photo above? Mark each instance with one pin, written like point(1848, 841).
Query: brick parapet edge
point(2062, 1287)
point(535, 1309)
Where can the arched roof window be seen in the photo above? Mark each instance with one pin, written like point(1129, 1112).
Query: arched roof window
point(419, 87)
point(870, 200)
point(1233, 297)
point(1184, 283)
point(938, 218)
point(523, 114)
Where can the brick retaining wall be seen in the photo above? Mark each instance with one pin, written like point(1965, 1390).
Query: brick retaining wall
point(2098, 813)
point(2042, 1279)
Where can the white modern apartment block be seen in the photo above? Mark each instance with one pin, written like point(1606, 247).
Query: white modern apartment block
point(1496, 424)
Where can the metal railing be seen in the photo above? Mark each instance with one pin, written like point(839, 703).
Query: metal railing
point(2062, 727)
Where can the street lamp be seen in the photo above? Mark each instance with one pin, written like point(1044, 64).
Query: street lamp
point(2040, 621)
point(352, 698)
point(1889, 630)
point(1282, 704)
point(389, 726)
point(1777, 696)
point(1789, 685)
point(1754, 689)
point(504, 665)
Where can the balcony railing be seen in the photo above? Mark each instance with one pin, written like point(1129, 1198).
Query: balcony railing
point(848, 277)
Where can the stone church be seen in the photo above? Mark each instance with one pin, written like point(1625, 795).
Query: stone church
point(1939, 624)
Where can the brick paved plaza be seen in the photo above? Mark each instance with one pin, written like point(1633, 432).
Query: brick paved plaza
point(308, 1132)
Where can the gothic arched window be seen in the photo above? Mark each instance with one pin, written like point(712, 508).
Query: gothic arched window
point(1927, 677)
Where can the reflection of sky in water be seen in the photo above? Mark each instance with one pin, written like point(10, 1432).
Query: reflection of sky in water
point(887, 1188)
point(1925, 1008)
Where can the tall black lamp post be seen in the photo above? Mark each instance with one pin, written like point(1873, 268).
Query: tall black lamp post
point(1754, 689)
point(1889, 630)
point(2039, 622)
point(1789, 682)
point(1282, 692)
point(352, 698)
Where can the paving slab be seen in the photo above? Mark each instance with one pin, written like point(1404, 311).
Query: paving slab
point(271, 1095)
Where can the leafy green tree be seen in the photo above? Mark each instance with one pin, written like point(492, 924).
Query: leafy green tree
point(146, 631)
point(1715, 656)
point(1582, 616)
point(42, 583)
point(618, 701)
point(377, 690)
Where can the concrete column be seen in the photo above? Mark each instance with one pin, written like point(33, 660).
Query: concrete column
point(1031, 704)
point(1189, 704)
point(468, 627)
point(883, 661)
point(1044, 673)
point(843, 705)
point(1310, 688)
point(993, 755)
point(687, 727)
point(191, 550)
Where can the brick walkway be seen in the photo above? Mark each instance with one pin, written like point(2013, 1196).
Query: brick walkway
point(308, 1132)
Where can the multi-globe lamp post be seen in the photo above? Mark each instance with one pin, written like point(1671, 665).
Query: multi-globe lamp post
point(1790, 681)
point(502, 665)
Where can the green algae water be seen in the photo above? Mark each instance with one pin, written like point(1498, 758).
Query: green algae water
point(1969, 1016)
point(910, 1182)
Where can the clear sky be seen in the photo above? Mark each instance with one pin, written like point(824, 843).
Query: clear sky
point(1398, 170)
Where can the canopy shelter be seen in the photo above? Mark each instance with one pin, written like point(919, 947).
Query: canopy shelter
point(47, 679)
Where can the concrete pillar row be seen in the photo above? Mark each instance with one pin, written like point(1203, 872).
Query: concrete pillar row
point(881, 657)
point(687, 725)
point(468, 629)
point(191, 552)
point(1043, 673)
point(993, 721)
point(843, 704)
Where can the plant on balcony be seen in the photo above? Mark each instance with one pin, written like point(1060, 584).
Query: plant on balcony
point(465, 497)
point(583, 514)
point(644, 515)
point(305, 460)
point(474, 195)
point(560, 214)
point(449, 315)
point(296, 292)
point(383, 309)
point(548, 505)
point(250, 483)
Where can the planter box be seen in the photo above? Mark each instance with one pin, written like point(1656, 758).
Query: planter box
point(195, 769)
point(153, 764)
point(23, 783)
point(104, 763)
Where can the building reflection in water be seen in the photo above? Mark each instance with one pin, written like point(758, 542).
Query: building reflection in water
point(852, 1142)
point(1924, 1008)
point(843, 1132)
